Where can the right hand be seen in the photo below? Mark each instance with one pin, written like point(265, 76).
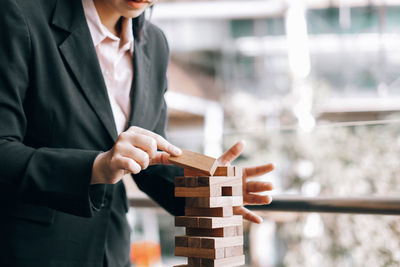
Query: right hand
point(133, 152)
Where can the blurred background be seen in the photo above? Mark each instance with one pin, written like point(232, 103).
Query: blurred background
point(311, 85)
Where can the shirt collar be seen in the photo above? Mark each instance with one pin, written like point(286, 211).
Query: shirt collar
point(99, 32)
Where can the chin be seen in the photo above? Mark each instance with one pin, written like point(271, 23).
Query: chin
point(133, 13)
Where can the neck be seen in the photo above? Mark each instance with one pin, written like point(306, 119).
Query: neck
point(108, 16)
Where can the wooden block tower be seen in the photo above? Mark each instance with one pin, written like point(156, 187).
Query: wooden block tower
point(214, 236)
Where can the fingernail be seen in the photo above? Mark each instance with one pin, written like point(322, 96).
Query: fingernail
point(177, 151)
point(243, 142)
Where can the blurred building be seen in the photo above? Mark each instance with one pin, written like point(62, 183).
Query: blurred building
point(236, 46)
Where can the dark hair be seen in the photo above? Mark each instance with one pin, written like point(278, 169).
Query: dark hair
point(138, 24)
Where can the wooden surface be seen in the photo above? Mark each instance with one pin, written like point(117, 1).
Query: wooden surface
point(195, 161)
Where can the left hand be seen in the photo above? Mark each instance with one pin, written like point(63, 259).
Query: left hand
point(249, 187)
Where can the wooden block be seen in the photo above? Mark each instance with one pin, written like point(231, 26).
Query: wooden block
point(221, 242)
point(219, 171)
point(209, 202)
point(205, 253)
point(224, 171)
point(191, 182)
point(210, 212)
point(180, 181)
point(214, 202)
point(233, 251)
point(194, 262)
point(236, 190)
point(208, 222)
point(237, 201)
point(195, 161)
point(208, 242)
point(198, 181)
point(204, 191)
point(218, 232)
point(225, 262)
point(190, 172)
point(187, 221)
point(238, 171)
point(181, 241)
point(203, 181)
point(219, 180)
point(239, 230)
point(219, 222)
point(194, 242)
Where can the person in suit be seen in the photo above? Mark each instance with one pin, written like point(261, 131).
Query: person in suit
point(82, 86)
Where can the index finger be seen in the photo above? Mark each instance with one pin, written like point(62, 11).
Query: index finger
point(162, 144)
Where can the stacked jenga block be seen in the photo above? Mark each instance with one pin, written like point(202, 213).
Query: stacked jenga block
point(214, 236)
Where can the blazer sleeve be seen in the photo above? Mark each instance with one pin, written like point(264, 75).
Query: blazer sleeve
point(56, 178)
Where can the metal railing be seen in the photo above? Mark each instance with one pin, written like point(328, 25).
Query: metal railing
point(298, 203)
point(358, 205)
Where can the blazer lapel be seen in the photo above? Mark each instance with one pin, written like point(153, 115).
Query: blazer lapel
point(141, 84)
point(80, 54)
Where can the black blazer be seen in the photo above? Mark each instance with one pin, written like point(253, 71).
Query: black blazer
point(55, 118)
